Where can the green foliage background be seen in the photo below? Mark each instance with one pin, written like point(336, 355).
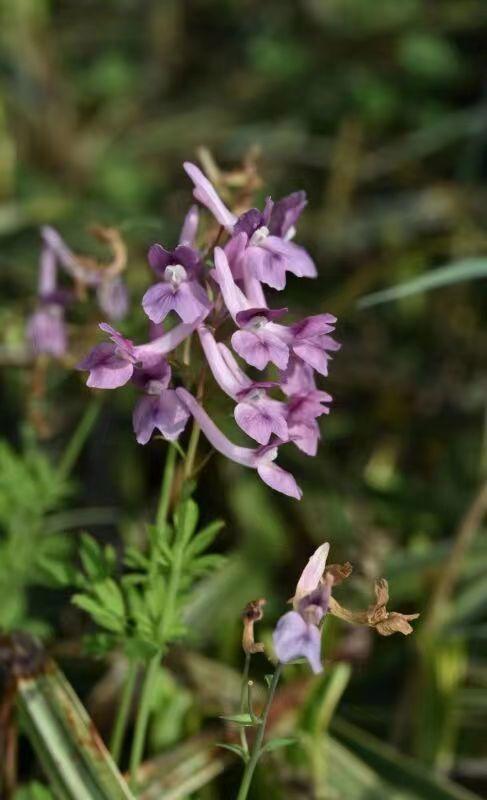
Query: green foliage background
point(378, 110)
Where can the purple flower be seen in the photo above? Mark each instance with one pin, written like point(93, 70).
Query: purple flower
point(311, 341)
point(179, 291)
point(260, 340)
point(269, 257)
point(110, 364)
point(295, 638)
point(261, 459)
point(297, 634)
point(255, 413)
point(113, 364)
point(259, 415)
point(162, 411)
point(285, 214)
point(207, 195)
point(305, 404)
point(46, 330)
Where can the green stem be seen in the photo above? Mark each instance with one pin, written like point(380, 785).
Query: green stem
point(78, 439)
point(191, 451)
point(167, 481)
point(163, 632)
point(257, 748)
point(121, 720)
point(243, 695)
point(143, 718)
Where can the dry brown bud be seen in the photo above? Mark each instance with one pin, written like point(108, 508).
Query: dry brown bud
point(253, 612)
point(339, 571)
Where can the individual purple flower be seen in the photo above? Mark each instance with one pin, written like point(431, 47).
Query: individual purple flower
point(268, 253)
point(297, 633)
point(258, 415)
point(46, 328)
point(159, 408)
point(305, 404)
point(311, 341)
point(110, 364)
point(261, 459)
point(163, 412)
point(112, 298)
point(179, 291)
point(259, 339)
point(269, 256)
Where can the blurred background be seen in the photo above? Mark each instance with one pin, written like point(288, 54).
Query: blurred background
point(379, 111)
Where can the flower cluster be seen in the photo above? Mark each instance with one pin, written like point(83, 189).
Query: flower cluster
point(46, 328)
point(257, 251)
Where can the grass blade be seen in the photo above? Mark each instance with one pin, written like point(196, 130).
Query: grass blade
point(465, 270)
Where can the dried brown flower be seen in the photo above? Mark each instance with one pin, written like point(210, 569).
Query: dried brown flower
point(253, 612)
point(376, 616)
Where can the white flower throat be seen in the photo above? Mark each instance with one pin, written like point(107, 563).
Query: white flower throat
point(259, 236)
point(175, 274)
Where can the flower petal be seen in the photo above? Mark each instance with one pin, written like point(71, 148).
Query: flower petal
point(207, 195)
point(294, 638)
point(312, 573)
point(257, 348)
point(108, 370)
point(280, 480)
point(190, 227)
point(164, 412)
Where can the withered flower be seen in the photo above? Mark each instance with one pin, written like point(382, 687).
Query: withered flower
point(252, 613)
point(376, 615)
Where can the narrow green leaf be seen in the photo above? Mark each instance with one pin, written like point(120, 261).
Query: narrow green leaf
point(100, 615)
point(207, 563)
point(468, 269)
point(276, 744)
point(92, 557)
point(234, 748)
point(203, 539)
point(134, 559)
point(110, 595)
point(240, 719)
point(324, 699)
point(186, 518)
point(397, 769)
point(70, 750)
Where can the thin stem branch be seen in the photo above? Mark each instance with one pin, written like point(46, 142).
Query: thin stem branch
point(191, 451)
point(79, 437)
point(243, 695)
point(142, 720)
point(257, 747)
point(121, 720)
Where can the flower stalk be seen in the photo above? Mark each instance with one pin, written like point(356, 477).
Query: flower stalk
point(259, 738)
